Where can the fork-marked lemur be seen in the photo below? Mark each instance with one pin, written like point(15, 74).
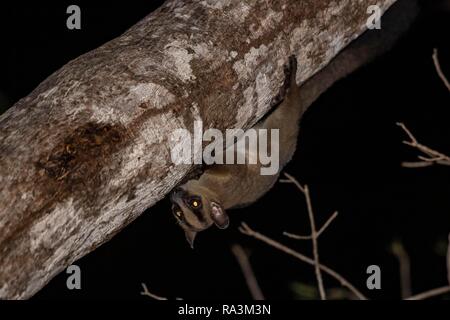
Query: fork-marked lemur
point(202, 202)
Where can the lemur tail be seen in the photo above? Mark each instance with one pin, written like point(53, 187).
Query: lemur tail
point(373, 43)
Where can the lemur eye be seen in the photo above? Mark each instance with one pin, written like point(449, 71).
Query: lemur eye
point(177, 211)
point(195, 203)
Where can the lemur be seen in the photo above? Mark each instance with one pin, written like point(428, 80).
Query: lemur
point(202, 202)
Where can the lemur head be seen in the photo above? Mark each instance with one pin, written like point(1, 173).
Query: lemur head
point(196, 209)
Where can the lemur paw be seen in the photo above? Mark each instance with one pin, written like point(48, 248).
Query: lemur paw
point(290, 73)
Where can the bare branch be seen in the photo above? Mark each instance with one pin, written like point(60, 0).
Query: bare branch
point(417, 164)
point(438, 291)
point(247, 270)
point(245, 229)
point(149, 294)
point(315, 245)
point(314, 233)
point(404, 267)
point(152, 295)
point(430, 294)
point(321, 230)
point(437, 65)
point(432, 156)
point(291, 179)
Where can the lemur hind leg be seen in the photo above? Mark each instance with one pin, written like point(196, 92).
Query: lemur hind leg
point(286, 116)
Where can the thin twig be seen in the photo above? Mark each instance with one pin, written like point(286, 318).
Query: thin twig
point(149, 294)
point(437, 291)
point(291, 179)
point(416, 164)
point(247, 270)
point(433, 156)
point(430, 294)
point(315, 245)
point(245, 229)
point(404, 268)
point(321, 230)
point(437, 65)
point(314, 234)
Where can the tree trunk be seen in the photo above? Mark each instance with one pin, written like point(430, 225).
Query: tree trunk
point(88, 150)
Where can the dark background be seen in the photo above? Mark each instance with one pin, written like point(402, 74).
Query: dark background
point(349, 153)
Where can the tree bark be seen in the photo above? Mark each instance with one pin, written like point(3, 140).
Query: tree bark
point(88, 150)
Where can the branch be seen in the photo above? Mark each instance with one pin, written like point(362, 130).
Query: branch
point(321, 230)
point(314, 234)
point(245, 229)
point(430, 294)
point(247, 270)
point(291, 179)
point(437, 65)
point(89, 149)
point(438, 291)
point(432, 156)
point(404, 267)
point(149, 294)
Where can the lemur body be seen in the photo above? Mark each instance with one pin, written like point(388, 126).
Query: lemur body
point(227, 186)
point(198, 204)
point(246, 181)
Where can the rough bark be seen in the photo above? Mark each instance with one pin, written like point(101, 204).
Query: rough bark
point(88, 150)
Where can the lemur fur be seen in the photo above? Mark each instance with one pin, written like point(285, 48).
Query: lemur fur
point(202, 202)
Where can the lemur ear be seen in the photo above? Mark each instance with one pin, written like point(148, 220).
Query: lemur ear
point(219, 216)
point(190, 237)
